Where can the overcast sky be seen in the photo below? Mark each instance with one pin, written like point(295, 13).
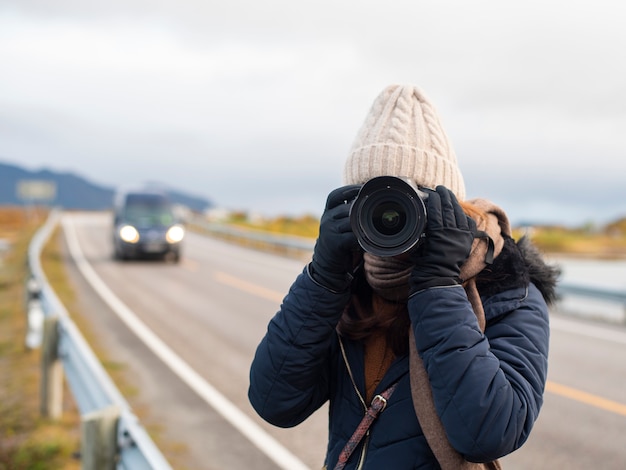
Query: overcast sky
point(255, 105)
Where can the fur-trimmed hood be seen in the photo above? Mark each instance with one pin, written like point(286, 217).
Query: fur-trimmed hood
point(517, 265)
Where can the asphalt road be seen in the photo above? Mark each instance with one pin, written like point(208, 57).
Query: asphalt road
point(211, 310)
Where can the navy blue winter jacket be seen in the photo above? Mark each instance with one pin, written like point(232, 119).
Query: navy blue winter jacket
point(487, 387)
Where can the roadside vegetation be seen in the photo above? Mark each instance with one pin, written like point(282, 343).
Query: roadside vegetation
point(27, 441)
point(304, 226)
point(607, 242)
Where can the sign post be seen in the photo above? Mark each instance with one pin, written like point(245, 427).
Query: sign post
point(36, 191)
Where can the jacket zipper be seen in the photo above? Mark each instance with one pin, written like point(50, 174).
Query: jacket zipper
point(363, 451)
point(362, 400)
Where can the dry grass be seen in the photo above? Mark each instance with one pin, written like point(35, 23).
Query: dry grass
point(27, 441)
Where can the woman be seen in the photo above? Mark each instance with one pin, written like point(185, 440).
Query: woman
point(464, 313)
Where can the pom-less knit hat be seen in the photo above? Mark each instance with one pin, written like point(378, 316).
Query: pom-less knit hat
point(403, 136)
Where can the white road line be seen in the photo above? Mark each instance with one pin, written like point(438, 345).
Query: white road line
point(263, 441)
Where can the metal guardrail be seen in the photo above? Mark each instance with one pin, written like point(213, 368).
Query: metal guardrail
point(596, 303)
point(593, 292)
point(111, 433)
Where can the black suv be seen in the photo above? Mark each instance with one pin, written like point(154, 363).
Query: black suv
point(144, 225)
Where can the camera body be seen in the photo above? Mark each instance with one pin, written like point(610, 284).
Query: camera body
point(388, 215)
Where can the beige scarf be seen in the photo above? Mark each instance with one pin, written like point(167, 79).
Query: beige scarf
point(388, 276)
point(485, 248)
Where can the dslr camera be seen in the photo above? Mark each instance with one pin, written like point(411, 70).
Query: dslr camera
point(388, 215)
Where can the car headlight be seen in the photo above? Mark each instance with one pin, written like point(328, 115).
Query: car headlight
point(129, 234)
point(175, 234)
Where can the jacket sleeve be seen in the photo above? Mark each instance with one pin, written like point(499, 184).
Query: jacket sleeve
point(488, 389)
point(289, 376)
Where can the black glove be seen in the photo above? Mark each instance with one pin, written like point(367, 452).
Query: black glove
point(335, 247)
point(447, 244)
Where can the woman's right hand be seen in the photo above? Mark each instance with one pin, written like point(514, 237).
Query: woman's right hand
point(335, 247)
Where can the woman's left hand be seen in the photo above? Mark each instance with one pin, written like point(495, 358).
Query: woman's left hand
point(448, 242)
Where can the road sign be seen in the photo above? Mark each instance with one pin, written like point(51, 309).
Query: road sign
point(36, 190)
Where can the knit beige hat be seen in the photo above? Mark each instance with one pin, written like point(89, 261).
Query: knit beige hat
point(403, 136)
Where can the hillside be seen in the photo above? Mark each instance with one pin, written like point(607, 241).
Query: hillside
point(74, 191)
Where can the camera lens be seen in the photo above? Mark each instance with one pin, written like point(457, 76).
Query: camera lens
point(388, 216)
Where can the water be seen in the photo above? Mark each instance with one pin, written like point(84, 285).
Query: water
point(604, 274)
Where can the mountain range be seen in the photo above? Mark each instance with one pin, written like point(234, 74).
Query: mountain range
point(72, 191)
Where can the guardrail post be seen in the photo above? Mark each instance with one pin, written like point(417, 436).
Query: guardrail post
point(99, 450)
point(34, 314)
point(51, 371)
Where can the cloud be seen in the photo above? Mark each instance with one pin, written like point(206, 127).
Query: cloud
point(269, 101)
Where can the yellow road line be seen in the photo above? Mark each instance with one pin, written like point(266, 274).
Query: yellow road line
point(190, 264)
point(249, 287)
point(586, 398)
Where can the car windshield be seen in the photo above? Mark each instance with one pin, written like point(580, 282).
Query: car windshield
point(148, 209)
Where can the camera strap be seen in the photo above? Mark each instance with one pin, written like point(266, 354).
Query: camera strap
point(447, 456)
point(491, 248)
point(492, 226)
